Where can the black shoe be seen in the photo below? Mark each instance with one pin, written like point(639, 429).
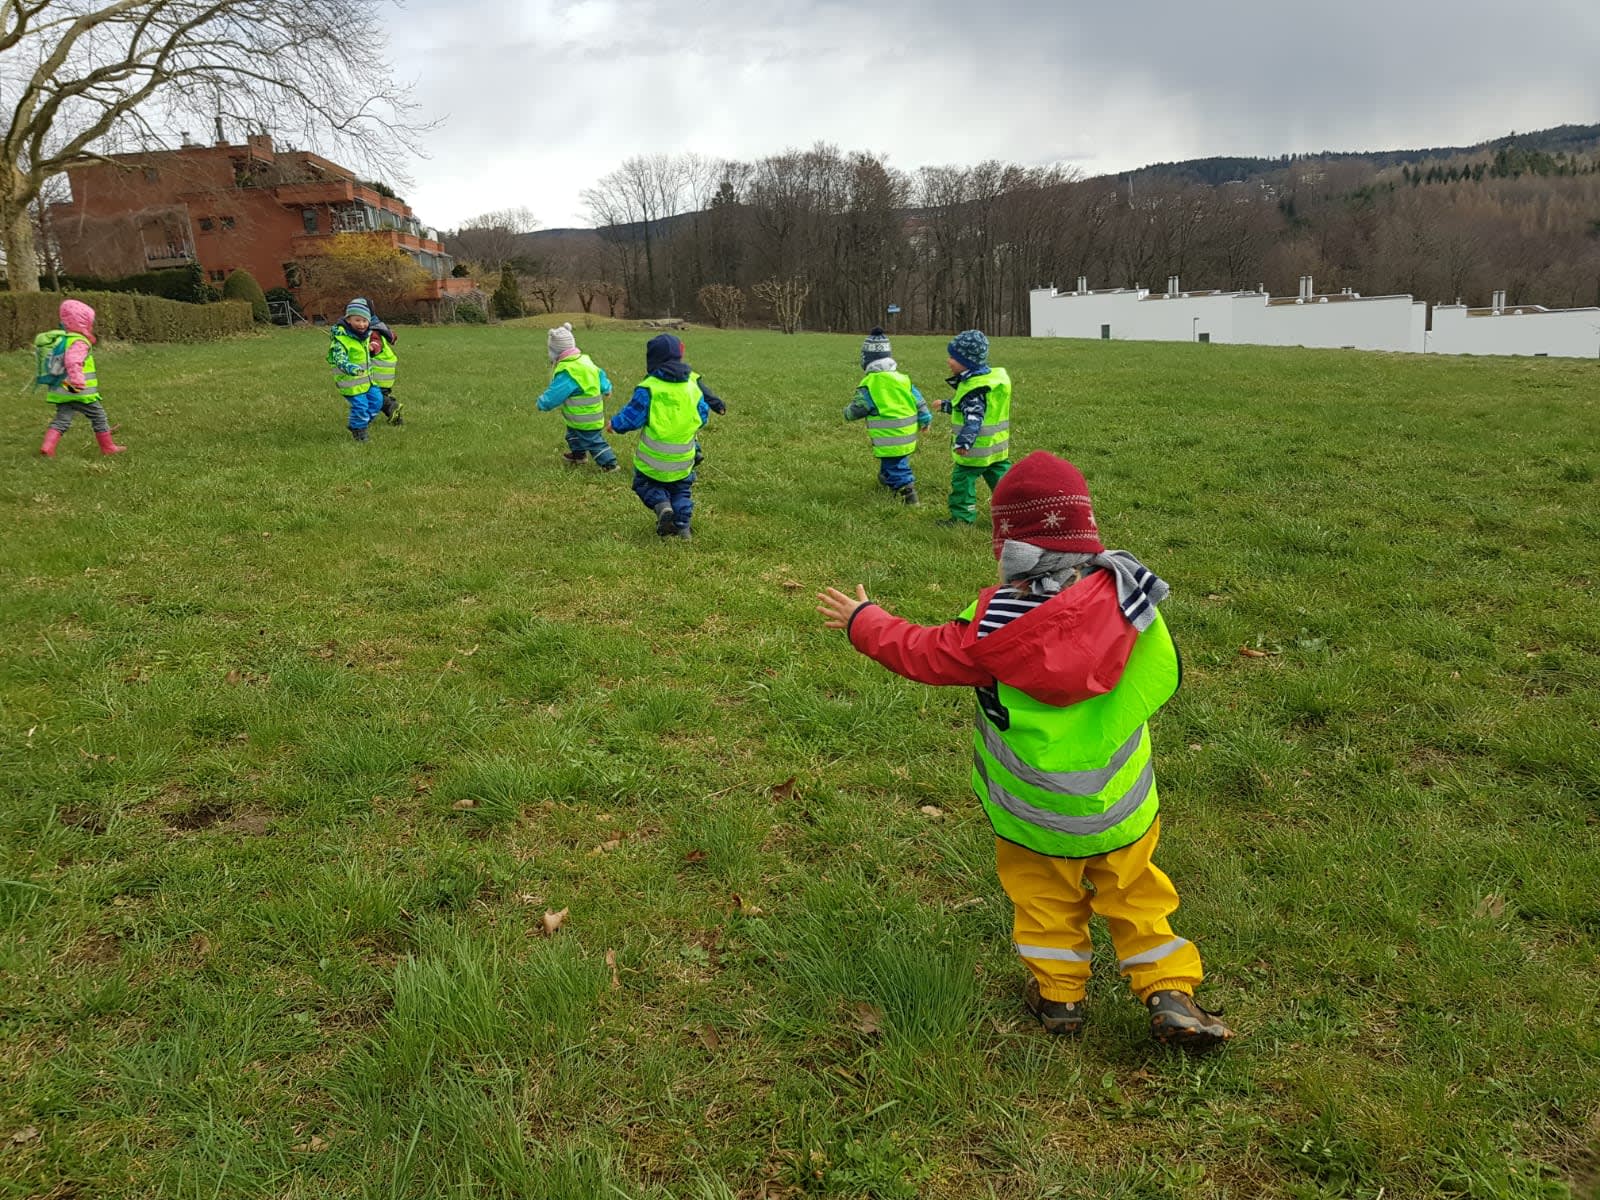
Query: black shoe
point(907, 494)
point(1176, 1020)
point(1062, 1017)
point(573, 457)
point(666, 523)
point(391, 410)
point(610, 466)
point(360, 435)
point(681, 532)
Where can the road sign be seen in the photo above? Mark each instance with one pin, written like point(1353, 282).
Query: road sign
point(893, 308)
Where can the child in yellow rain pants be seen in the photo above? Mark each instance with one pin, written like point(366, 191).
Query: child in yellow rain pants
point(1070, 657)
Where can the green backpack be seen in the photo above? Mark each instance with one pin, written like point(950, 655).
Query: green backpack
point(49, 358)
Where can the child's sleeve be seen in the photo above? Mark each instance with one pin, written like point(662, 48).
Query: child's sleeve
point(972, 407)
point(934, 654)
point(860, 407)
point(924, 414)
point(561, 388)
point(605, 383)
point(77, 354)
point(634, 414)
point(339, 358)
point(713, 401)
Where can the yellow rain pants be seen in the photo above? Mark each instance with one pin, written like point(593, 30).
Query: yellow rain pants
point(1051, 925)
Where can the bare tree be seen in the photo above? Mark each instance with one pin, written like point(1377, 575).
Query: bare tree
point(723, 303)
point(78, 77)
point(495, 239)
point(614, 293)
point(547, 290)
point(787, 298)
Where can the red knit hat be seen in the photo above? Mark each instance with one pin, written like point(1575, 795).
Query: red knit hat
point(1044, 501)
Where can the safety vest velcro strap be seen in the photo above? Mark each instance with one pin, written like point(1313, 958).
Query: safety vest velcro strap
point(1153, 955)
point(667, 447)
point(908, 440)
point(890, 422)
point(1068, 783)
point(1053, 953)
point(684, 465)
point(1090, 825)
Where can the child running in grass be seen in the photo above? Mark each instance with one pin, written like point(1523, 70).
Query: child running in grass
point(670, 405)
point(1070, 658)
point(894, 411)
point(981, 410)
point(579, 389)
point(385, 364)
point(351, 359)
point(77, 392)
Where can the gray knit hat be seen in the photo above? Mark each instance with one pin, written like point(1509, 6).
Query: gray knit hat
point(559, 340)
point(875, 347)
point(970, 348)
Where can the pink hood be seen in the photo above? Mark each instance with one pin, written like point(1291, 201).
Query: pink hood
point(77, 317)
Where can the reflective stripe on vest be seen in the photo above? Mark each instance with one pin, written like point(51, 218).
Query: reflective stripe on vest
point(90, 392)
point(894, 430)
point(585, 409)
point(356, 351)
point(385, 364)
point(993, 442)
point(665, 451)
point(1078, 780)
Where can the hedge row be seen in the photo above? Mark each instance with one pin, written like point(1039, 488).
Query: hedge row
point(121, 316)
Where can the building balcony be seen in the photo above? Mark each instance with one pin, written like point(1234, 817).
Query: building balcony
point(305, 244)
point(171, 255)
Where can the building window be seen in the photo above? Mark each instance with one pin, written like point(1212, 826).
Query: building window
point(227, 222)
point(291, 274)
point(308, 217)
point(206, 224)
point(218, 276)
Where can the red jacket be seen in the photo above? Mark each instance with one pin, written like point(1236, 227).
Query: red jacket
point(1072, 647)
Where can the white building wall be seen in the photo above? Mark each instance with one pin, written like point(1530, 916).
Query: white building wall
point(1561, 333)
point(1081, 316)
point(1183, 318)
point(1364, 323)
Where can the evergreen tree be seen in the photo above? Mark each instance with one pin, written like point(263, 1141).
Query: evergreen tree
point(507, 298)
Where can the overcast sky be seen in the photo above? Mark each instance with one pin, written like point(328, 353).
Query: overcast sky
point(539, 98)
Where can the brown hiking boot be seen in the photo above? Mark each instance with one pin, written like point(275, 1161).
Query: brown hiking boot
point(1176, 1020)
point(1061, 1017)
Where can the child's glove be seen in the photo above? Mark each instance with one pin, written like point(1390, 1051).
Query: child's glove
point(718, 406)
point(944, 406)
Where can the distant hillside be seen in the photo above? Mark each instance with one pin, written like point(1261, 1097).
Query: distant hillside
point(1562, 139)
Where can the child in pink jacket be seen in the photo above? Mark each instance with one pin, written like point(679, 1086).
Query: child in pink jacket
point(78, 392)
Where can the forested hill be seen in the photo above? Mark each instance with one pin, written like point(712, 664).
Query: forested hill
point(1562, 140)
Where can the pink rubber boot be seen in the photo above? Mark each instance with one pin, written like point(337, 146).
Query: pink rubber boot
point(48, 446)
point(107, 446)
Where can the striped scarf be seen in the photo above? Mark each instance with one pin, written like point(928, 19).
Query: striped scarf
point(1033, 572)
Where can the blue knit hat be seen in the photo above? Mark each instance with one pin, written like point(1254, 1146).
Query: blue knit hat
point(358, 308)
point(970, 348)
point(875, 347)
point(660, 350)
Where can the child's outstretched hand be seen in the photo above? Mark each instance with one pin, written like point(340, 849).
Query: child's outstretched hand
point(837, 608)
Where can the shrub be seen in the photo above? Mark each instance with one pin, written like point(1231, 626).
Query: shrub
point(122, 316)
point(187, 284)
point(471, 314)
point(241, 285)
point(507, 298)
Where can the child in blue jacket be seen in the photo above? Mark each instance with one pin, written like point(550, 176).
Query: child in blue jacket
point(670, 406)
point(579, 388)
point(894, 411)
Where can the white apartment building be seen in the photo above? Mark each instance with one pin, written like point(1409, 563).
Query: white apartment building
point(1343, 320)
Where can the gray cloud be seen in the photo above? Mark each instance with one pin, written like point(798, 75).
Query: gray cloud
point(543, 97)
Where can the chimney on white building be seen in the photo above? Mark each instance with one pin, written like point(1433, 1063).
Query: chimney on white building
point(1499, 301)
point(1083, 285)
point(1172, 285)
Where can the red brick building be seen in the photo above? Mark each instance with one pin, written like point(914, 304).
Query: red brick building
point(229, 207)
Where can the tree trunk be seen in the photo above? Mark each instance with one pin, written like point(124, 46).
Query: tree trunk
point(16, 234)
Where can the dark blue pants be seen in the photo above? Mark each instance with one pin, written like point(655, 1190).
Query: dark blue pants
point(895, 473)
point(654, 493)
point(591, 441)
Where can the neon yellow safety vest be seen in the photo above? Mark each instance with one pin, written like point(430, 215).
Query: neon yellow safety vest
point(385, 364)
point(585, 409)
point(356, 349)
point(994, 437)
point(665, 451)
point(894, 429)
point(1077, 781)
point(58, 393)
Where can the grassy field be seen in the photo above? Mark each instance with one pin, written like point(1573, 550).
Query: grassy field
point(300, 740)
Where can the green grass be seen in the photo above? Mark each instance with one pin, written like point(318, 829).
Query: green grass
point(249, 946)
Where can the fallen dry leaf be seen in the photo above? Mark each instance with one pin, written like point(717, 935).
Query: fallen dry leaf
point(931, 810)
point(791, 585)
point(315, 1146)
point(973, 902)
point(552, 921)
point(1492, 905)
point(695, 856)
point(465, 803)
point(468, 653)
point(23, 1136)
point(607, 846)
point(233, 677)
point(709, 1038)
point(1196, 746)
point(1252, 652)
point(749, 910)
point(611, 965)
point(784, 790)
point(868, 1018)
point(241, 737)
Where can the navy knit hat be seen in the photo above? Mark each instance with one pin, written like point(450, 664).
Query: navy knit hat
point(660, 350)
point(875, 347)
point(970, 348)
point(358, 308)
